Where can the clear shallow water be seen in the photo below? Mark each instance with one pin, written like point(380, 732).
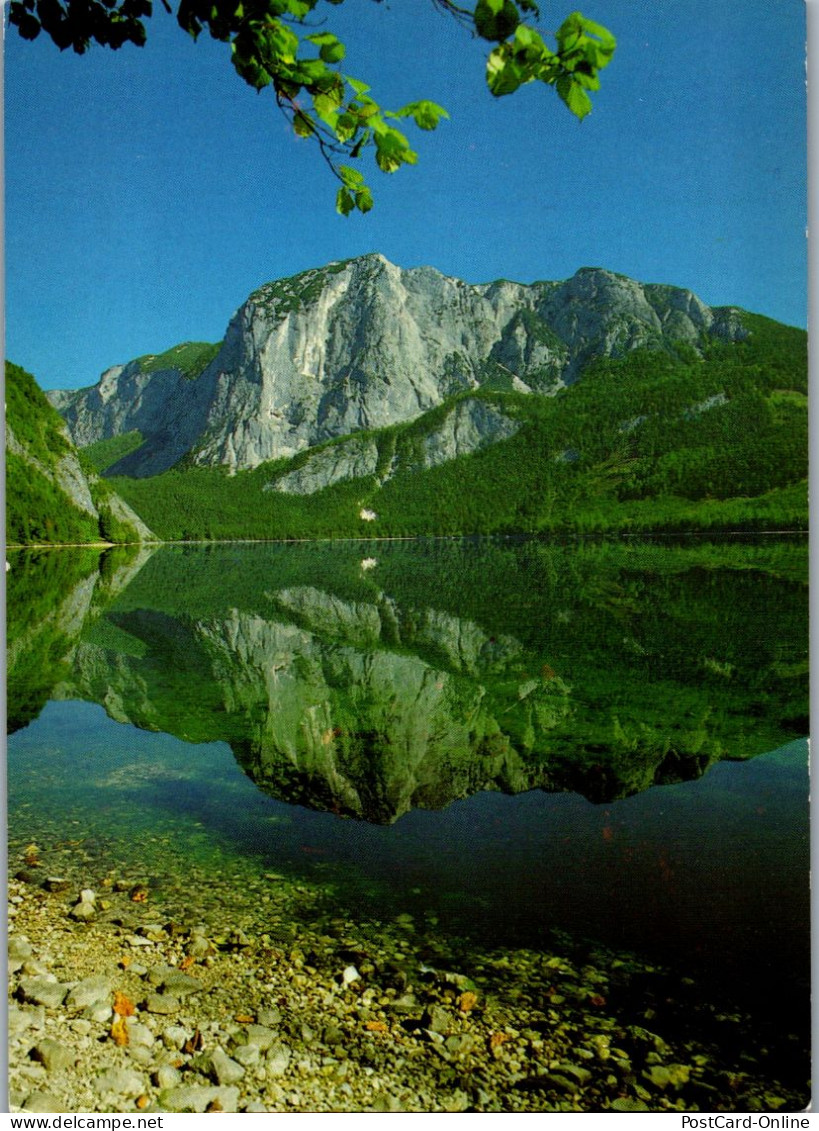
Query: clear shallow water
point(365, 726)
point(707, 874)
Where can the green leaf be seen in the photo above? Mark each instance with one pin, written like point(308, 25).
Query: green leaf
point(249, 68)
point(360, 88)
point(332, 84)
point(496, 19)
point(503, 75)
point(281, 42)
point(326, 110)
point(568, 34)
point(583, 39)
point(322, 38)
point(331, 49)
point(364, 111)
point(608, 43)
point(392, 150)
point(587, 81)
point(426, 115)
point(333, 54)
point(385, 161)
point(345, 127)
point(344, 201)
point(311, 72)
point(364, 200)
point(352, 178)
point(303, 125)
point(574, 96)
point(289, 89)
point(526, 37)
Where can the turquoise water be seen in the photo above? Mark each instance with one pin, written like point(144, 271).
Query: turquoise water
point(498, 741)
point(710, 874)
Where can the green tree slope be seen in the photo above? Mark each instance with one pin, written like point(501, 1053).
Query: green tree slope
point(651, 441)
point(52, 496)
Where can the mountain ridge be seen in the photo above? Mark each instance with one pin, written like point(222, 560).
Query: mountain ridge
point(363, 344)
point(360, 399)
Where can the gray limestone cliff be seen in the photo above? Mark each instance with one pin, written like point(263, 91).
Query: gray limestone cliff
point(364, 344)
point(351, 459)
point(166, 407)
point(469, 426)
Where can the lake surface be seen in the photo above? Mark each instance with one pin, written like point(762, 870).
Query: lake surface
point(499, 739)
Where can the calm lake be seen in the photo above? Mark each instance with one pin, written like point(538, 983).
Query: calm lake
point(501, 739)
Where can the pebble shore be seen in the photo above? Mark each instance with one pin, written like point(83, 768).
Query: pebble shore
point(125, 1000)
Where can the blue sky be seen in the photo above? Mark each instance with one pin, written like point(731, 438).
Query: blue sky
point(148, 192)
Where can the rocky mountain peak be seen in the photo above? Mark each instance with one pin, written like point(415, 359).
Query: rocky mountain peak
point(361, 344)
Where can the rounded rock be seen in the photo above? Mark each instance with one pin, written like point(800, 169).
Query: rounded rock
point(162, 1003)
point(43, 1101)
point(53, 1055)
point(278, 1059)
point(83, 910)
point(225, 1070)
point(89, 991)
point(120, 1082)
point(166, 1076)
point(175, 1036)
point(42, 991)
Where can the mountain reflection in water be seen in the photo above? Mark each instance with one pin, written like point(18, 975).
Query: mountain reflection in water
point(372, 679)
point(417, 687)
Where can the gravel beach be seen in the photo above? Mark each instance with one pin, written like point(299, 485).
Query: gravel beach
point(126, 997)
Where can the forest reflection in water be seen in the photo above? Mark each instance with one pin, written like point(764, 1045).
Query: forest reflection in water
point(415, 681)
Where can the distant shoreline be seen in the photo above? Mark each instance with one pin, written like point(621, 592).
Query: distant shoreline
point(540, 537)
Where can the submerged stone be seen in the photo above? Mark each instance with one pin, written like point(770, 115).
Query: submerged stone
point(628, 1103)
point(278, 1059)
point(178, 984)
point(260, 1036)
point(83, 910)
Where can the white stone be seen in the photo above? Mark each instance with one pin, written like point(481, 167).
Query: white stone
point(278, 1059)
point(90, 991)
point(120, 1082)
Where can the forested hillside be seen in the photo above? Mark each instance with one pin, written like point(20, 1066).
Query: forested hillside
point(52, 494)
point(658, 439)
